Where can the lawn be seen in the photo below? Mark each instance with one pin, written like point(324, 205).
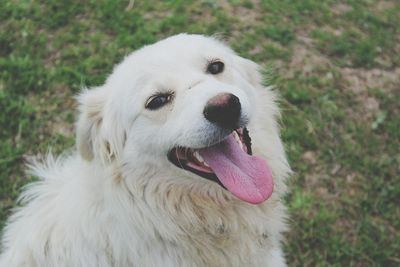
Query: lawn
point(336, 65)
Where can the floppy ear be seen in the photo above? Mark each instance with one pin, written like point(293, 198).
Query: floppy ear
point(98, 134)
point(250, 70)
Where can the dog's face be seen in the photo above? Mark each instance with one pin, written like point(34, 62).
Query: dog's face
point(183, 104)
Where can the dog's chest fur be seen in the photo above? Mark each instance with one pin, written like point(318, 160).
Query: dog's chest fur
point(211, 229)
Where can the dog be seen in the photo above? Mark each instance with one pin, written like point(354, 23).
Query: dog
point(178, 162)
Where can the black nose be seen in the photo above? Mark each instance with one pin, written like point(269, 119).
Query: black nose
point(223, 110)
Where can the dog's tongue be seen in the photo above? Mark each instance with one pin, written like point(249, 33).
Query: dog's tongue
point(247, 177)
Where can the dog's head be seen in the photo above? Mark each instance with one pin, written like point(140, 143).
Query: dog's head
point(182, 104)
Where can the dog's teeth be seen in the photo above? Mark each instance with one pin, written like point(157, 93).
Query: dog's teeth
point(241, 146)
point(237, 138)
point(198, 156)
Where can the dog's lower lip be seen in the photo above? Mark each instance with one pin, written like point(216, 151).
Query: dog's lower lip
point(187, 159)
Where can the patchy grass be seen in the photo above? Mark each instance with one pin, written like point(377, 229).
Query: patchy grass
point(335, 63)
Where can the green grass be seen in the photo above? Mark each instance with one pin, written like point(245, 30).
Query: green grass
point(335, 63)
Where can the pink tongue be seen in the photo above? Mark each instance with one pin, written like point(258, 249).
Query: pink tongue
point(247, 177)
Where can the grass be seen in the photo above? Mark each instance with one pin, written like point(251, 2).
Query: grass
point(335, 63)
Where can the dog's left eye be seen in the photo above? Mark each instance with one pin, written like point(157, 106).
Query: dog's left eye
point(157, 101)
point(215, 67)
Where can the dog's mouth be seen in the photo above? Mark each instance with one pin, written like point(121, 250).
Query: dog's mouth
point(229, 163)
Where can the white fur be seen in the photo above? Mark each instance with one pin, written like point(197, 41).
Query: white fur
point(118, 201)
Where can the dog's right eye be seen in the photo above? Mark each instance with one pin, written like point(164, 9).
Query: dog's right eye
point(157, 101)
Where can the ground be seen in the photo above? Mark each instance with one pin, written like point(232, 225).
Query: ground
point(334, 63)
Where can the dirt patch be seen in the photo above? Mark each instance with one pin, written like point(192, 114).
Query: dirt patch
point(316, 183)
point(332, 183)
point(318, 178)
point(384, 5)
point(334, 31)
point(340, 8)
point(359, 81)
point(306, 61)
point(371, 104)
point(62, 127)
point(310, 157)
point(247, 16)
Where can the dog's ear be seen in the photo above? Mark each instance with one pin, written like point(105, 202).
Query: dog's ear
point(97, 132)
point(250, 70)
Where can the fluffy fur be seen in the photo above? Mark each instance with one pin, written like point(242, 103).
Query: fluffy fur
point(118, 201)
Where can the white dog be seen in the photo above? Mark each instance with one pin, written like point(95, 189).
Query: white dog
point(179, 163)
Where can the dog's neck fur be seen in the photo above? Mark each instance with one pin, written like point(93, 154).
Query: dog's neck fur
point(208, 220)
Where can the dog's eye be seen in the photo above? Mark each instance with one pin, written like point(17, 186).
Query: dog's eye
point(157, 101)
point(215, 67)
